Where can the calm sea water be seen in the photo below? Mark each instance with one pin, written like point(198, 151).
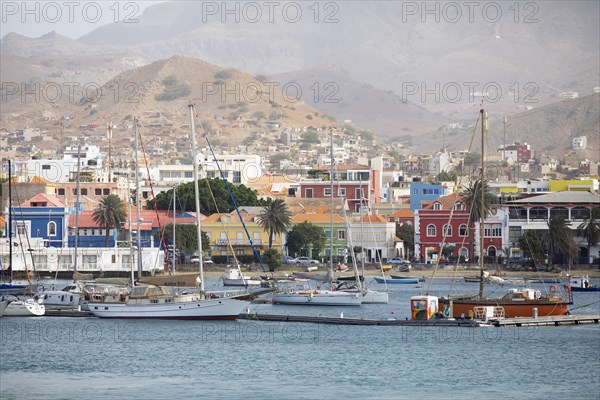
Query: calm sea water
point(68, 358)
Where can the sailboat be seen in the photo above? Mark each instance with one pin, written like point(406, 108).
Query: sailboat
point(10, 305)
point(322, 297)
point(156, 302)
point(515, 303)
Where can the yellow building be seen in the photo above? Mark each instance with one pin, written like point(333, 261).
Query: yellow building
point(228, 237)
point(561, 185)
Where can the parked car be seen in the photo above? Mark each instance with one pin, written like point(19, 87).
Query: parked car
point(397, 260)
point(207, 260)
point(305, 260)
point(194, 260)
point(288, 260)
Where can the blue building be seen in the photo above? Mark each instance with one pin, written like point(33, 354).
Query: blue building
point(421, 191)
point(41, 217)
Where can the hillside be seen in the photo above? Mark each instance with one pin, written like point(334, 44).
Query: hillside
point(159, 93)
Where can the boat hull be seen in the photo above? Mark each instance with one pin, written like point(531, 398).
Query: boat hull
point(27, 308)
point(374, 297)
point(588, 289)
point(211, 309)
point(512, 309)
point(241, 282)
point(319, 298)
point(379, 279)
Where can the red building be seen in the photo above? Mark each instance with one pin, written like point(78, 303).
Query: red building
point(356, 183)
point(445, 223)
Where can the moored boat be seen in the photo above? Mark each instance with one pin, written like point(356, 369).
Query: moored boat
point(233, 277)
point(581, 284)
point(154, 302)
point(400, 280)
point(29, 307)
point(318, 298)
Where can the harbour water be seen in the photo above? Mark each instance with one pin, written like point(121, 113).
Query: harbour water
point(66, 358)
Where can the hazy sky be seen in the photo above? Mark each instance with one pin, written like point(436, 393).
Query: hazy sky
point(69, 18)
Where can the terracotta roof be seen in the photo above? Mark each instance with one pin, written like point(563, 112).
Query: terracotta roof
point(316, 218)
point(39, 179)
point(402, 213)
point(447, 202)
point(374, 219)
point(49, 200)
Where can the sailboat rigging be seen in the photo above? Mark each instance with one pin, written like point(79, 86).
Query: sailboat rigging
point(516, 303)
point(156, 302)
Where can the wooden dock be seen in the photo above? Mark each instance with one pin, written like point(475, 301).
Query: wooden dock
point(358, 321)
point(547, 321)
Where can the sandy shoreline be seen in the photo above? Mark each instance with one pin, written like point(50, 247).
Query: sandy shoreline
point(445, 272)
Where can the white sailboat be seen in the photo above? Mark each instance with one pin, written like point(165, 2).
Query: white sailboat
point(12, 306)
point(322, 297)
point(154, 302)
point(233, 277)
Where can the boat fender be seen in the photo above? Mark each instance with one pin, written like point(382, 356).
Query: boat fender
point(310, 297)
point(538, 294)
point(567, 288)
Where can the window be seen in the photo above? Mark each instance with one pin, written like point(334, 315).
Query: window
point(458, 206)
point(341, 234)
point(98, 192)
point(494, 230)
point(580, 213)
point(431, 231)
point(437, 206)
point(447, 230)
point(84, 192)
point(61, 192)
point(342, 192)
point(188, 174)
point(51, 228)
point(211, 175)
point(358, 193)
point(46, 166)
point(106, 192)
point(462, 230)
point(327, 192)
point(538, 214)
point(415, 191)
point(309, 193)
point(237, 177)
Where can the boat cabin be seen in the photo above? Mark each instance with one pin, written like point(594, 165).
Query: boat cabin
point(147, 292)
point(423, 307)
point(580, 282)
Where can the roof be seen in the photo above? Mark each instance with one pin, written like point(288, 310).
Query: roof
point(43, 200)
point(39, 179)
point(447, 201)
point(581, 197)
point(402, 213)
point(374, 219)
point(316, 218)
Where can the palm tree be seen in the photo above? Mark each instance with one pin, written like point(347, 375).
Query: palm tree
point(472, 200)
point(590, 229)
point(275, 218)
point(110, 214)
point(557, 240)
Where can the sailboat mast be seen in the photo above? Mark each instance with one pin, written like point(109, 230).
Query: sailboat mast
point(174, 216)
point(482, 205)
point(137, 203)
point(75, 254)
point(197, 195)
point(10, 247)
point(330, 273)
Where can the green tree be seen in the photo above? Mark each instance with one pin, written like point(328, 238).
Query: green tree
point(272, 258)
point(275, 219)
point(590, 229)
point(304, 236)
point(311, 137)
point(473, 201)
point(185, 238)
point(557, 239)
point(531, 244)
point(445, 176)
point(110, 214)
point(186, 197)
point(406, 232)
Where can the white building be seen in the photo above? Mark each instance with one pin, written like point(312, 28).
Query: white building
point(580, 143)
